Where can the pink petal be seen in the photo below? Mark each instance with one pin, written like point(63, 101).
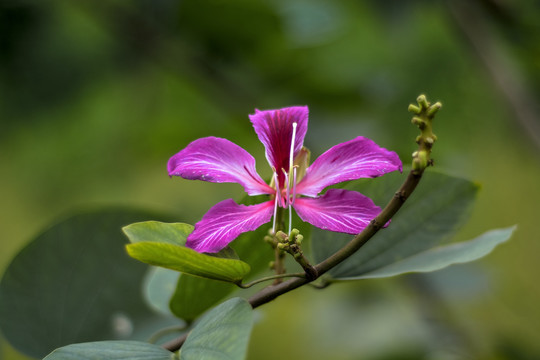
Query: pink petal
point(351, 160)
point(218, 160)
point(274, 129)
point(338, 210)
point(224, 222)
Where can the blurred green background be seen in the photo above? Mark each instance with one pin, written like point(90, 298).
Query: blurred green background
point(95, 96)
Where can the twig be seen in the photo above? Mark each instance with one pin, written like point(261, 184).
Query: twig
point(424, 114)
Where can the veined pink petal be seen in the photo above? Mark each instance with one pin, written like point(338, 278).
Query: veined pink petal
point(224, 222)
point(338, 210)
point(351, 160)
point(275, 128)
point(218, 160)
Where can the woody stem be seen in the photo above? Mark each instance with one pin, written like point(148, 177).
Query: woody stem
point(271, 292)
point(424, 112)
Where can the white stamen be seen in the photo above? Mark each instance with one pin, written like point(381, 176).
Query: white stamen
point(288, 201)
point(291, 154)
point(288, 178)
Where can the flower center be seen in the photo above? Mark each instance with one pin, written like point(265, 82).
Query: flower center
point(285, 197)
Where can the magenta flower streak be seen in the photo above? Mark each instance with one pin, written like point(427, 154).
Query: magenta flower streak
point(282, 133)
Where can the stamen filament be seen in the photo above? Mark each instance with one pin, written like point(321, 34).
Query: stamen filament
point(291, 176)
point(291, 154)
point(288, 202)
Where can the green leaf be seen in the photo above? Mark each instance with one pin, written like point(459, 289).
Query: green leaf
point(195, 295)
point(171, 233)
point(430, 216)
point(184, 295)
point(440, 257)
point(111, 350)
point(75, 283)
point(188, 261)
point(222, 333)
point(158, 288)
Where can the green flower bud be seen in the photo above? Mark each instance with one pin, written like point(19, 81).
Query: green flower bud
point(281, 236)
point(422, 101)
point(414, 109)
point(432, 110)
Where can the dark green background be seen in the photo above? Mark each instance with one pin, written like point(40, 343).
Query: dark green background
point(95, 96)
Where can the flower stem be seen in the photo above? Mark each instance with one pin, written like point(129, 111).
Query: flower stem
point(291, 244)
point(279, 255)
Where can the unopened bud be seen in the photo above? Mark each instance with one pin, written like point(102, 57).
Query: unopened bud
point(422, 101)
point(418, 121)
point(433, 109)
point(420, 161)
point(414, 109)
point(269, 239)
point(281, 236)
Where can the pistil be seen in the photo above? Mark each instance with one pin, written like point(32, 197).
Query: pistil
point(291, 177)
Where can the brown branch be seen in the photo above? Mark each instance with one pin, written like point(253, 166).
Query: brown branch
point(271, 292)
point(424, 116)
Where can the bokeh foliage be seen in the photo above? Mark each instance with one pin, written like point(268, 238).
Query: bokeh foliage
point(95, 96)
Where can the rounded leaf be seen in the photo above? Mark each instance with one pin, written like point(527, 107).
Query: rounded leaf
point(222, 333)
point(433, 213)
point(75, 283)
point(111, 350)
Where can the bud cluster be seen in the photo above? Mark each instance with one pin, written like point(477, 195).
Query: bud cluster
point(424, 114)
point(291, 244)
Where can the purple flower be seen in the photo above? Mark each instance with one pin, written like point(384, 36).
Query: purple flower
point(282, 133)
